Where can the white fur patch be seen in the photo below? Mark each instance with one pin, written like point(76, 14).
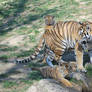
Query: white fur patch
point(33, 56)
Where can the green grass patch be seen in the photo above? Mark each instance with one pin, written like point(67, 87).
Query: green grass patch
point(89, 70)
point(24, 53)
point(7, 48)
point(32, 38)
point(9, 84)
point(27, 81)
point(4, 57)
point(35, 75)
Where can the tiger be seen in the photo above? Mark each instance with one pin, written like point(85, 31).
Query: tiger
point(89, 41)
point(58, 72)
point(63, 36)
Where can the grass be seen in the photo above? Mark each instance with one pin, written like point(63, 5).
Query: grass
point(8, 84)
point(7, 48)
point(89, 69)
point(35, 75)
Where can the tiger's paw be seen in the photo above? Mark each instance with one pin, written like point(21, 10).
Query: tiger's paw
point(81, 69)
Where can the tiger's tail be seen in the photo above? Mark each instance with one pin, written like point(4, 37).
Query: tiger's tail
point(34, 55)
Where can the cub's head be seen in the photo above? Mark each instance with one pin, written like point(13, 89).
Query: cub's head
point(72, 66)
point(49, 20)
point(84, 35)
point(69, 66)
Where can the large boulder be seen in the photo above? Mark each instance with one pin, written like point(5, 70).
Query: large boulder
point(49, 85)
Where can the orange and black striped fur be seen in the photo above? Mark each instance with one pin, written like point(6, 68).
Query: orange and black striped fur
point(64, 35)
point(58, 72)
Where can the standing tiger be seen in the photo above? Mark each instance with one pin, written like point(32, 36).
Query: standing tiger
point(62, 36)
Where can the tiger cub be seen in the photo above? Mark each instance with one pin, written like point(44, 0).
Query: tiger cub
point(64, 35)
point(58, 72)
point(49, 22)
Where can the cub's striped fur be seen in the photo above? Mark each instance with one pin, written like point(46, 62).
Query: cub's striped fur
point(58, 72)
point(64, 35)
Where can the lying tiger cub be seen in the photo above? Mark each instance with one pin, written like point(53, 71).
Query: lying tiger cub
point(58, 72)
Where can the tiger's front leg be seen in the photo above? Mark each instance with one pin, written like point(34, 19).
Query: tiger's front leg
point(79, 57)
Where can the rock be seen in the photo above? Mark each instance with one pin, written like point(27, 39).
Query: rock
point(49, 85)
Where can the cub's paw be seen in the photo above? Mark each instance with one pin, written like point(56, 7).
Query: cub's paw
point(81, 70)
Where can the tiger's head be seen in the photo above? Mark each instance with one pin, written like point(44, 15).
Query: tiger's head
point(84, 33)
point(69, 66)
point(90, 25)
point(84, 30)
point(49, 20)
